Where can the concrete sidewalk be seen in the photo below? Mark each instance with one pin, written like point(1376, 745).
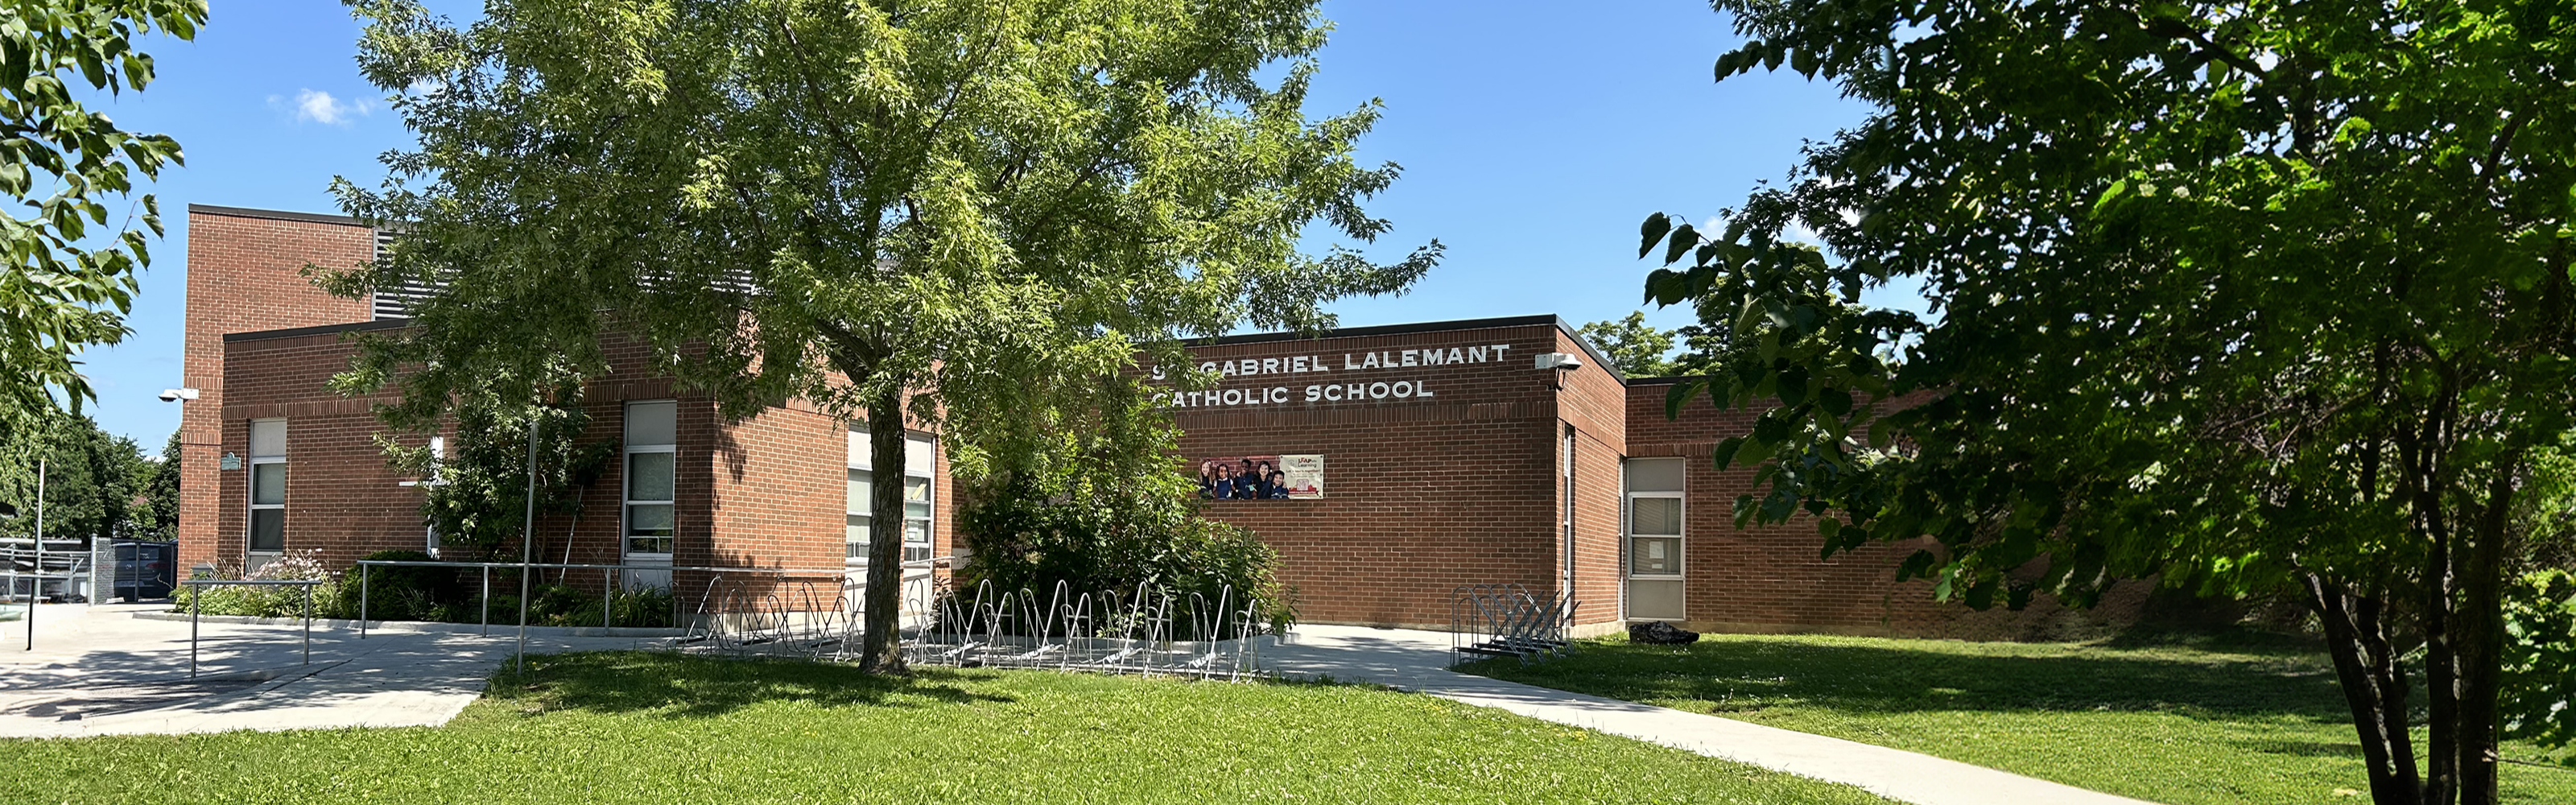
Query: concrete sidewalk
point(1417, 660)
point(101, 671)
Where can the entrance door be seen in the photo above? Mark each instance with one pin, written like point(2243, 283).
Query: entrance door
point(1652, 532)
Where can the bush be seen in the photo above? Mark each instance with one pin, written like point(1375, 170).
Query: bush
point(558, 605)
point(399, 593)
point(1021, 542)
point(264, 602)
point(402, 593)
point(2540, 659)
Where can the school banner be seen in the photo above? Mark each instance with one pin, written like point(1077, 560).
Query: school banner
point(1271, 477)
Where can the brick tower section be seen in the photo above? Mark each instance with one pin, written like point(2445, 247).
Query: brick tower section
point(1423, 492)
point(244, 274)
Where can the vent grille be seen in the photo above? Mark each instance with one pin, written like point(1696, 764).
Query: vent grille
point(396, 301)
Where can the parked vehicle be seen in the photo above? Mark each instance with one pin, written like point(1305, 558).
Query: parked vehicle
point(146, 569)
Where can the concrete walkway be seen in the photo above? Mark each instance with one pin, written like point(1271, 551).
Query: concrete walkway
point(1417, 660)
point(101, 671)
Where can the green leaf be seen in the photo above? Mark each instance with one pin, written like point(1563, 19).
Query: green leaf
point(1727, 448)
point(1680, 394)
point(1683, 238)
point(1652, 232)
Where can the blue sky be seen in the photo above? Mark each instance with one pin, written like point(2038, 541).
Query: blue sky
point(1534, 138)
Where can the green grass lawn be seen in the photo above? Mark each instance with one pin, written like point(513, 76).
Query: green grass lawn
point(2173, 724)
point(659, 728)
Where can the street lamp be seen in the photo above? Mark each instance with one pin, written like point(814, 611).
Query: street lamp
point(178, 395)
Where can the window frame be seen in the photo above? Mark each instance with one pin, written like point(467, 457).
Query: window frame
point(1680, 536)
point(251, 489)
point(626, 501)
point(854, 549)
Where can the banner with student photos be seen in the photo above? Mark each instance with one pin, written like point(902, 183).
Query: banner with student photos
point(1271, 477)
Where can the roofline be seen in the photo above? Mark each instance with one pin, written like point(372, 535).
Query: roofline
point(275, 215)
point(1664, 380)
point(319, 329)
point(1598, 358)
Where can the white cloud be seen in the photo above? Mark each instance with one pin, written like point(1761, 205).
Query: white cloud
point(320, 107)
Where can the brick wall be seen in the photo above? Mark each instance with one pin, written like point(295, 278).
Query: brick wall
point(243, 275)
point(1421, 494)
point(1594, 402)
point(341, 496)
point(1767, 578)
point(767, 491)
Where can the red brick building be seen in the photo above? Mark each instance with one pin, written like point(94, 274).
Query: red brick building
point(1388, 465)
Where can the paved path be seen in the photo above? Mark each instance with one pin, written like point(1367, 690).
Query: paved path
point(100, 671)
point(1417, 660)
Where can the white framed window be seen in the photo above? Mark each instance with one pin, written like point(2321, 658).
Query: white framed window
point(920, 460)
point(437, 456)
point(267, 533)
point(1651, 525)
point(652, 478)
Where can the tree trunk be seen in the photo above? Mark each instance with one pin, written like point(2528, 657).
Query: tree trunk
point(2480, 630)
point(2356, 638)
point(881, 648)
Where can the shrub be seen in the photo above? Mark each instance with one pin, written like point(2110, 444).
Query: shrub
point(399, 593)
point(2540, 659)
point(264, 602)
point(558, 605)
point(1022, 542)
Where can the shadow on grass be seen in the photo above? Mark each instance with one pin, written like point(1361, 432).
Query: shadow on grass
point(1744, 674)
point(2279, 746)
point(685, 686)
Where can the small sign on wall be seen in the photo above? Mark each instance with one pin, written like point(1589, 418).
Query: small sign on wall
point(230, 462)
point(1272, 477)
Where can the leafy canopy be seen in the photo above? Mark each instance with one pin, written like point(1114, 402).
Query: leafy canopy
point(60, 164)
point(2255, 297)
point(975, 215)
point(1640, 349)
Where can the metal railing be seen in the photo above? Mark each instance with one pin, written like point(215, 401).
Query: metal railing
point(75, 568)
point(197, 606)
point(723, 616)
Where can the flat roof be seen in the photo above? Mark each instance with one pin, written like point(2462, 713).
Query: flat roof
point(1559, 322)
point(318, 329)
point(278, 215)
point(1598, 358)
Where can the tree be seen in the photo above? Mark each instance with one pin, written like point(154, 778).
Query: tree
point(61, 162)
point(159, 519)
point(982, 215)
point(93, 483)
point(1637, 347)
point(476, 490)
point(2252, 298)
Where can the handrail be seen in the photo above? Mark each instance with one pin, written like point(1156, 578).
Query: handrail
point(197, 608)
point(583, 566)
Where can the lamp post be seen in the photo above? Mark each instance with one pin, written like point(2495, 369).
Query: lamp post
point(39, 589)
point(182, 395)
point(527, 540)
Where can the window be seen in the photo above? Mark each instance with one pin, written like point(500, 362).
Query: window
point(919, 459)
point(652, 467)
point(1653, 526)
point(1655, 517)
point(437, 454)
point(1654, 536)
point(267, 485)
